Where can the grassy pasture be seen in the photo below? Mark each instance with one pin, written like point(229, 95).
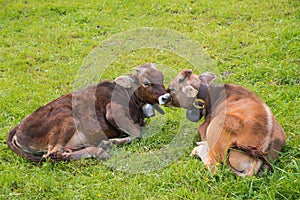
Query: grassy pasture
point(44, 44)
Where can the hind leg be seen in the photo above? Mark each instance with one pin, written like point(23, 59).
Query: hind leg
point(242, 164)
point(214, 149)
point(52, 150)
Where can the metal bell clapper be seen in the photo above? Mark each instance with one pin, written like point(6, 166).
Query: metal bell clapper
point(148, 110)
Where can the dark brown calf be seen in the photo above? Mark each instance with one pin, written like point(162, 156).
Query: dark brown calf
point(81, 124)
point(236, 122)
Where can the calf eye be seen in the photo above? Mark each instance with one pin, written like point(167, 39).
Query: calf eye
point(146, 83)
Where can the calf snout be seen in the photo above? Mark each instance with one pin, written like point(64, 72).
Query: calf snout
point(163, 99)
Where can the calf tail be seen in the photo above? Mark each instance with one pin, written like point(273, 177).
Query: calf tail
point(255, 153)
point(15, 148)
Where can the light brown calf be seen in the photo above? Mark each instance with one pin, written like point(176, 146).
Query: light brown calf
point(238, 129)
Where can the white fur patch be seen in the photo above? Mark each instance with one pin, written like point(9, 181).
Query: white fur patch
point(201, 151)
point(190, 91)
point(269, 125)
point(269, 116)
point(26, 150)
point(163, 98)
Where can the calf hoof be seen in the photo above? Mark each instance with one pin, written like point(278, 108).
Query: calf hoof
point(201, 151)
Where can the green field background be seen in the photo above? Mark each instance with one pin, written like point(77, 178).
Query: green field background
point(43, 44)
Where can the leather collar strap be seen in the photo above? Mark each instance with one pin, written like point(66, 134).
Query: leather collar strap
point(199, 102)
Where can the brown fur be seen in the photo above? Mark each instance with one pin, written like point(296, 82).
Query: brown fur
point(83, 123)
point(235, 118)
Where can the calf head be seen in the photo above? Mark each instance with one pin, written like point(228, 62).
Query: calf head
point(146, 83)
point(185, 87)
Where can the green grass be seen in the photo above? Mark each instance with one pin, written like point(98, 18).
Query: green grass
point(44, 44)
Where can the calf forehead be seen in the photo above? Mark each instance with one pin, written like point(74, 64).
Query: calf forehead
point(177, 82)
point(154, 76)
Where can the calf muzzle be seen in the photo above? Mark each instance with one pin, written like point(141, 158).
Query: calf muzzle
point(163, 99)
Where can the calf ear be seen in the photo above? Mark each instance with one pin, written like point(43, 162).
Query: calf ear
point(184, 74)
point(124, 81)
point(207, 77)
point(190, 91)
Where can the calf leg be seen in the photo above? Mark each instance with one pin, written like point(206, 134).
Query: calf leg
point(53, 151)
point(108, 144)
point(201, 151)
point(242, 164)
point(120, 141)
point(203, 128)
point(117, 116)
point(278, 140)
point(218, 140)
point(88, 152)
